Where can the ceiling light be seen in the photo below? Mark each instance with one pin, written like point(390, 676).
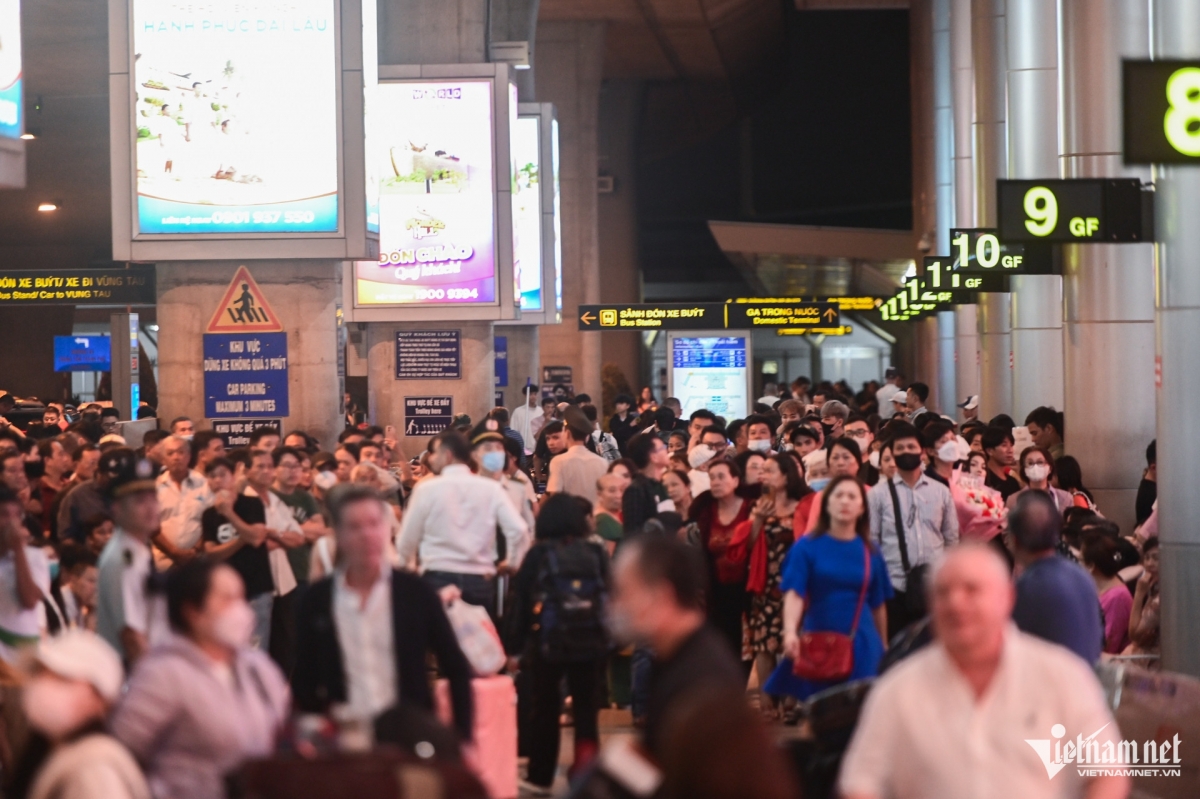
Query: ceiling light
point(29, 135)
point(47, 207)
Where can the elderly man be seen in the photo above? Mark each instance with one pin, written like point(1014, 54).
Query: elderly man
point(982, 710)
point(183, 496)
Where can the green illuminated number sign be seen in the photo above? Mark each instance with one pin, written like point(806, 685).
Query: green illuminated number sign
point(984, 251)
point(1181, 123)
point(1161, 110)
point(1041, 211)
point(1074, 211)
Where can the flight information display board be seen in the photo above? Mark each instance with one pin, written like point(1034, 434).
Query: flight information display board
point(710, 372)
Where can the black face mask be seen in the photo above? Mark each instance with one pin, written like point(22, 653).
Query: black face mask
point(908, 461)
point(827, 429)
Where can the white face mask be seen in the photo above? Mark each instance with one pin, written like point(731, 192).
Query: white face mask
point(53, 706)
point(235, 626)
point(759, 445)
point(1037, 472)
point(948, 452)
point(873, 459)
point(700, 455)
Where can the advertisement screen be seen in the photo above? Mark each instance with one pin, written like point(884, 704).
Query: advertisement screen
point(557, 220)
point(710, 372)
point(436, 195)
point(527, 212)
point(236, 116)
point(82, 354)
point(10, 69)
point(370, 20)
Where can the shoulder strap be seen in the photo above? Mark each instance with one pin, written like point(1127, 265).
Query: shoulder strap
point(899, 526)
point(862, 595)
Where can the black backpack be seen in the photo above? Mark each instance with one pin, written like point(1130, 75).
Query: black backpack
point(573, 600)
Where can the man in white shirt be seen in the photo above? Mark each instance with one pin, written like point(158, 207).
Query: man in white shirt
point(523, 419)
point(364, 636)
point(451, 521)
point(576, 471)
point(183, 496)
point(890, 388)
point(496, 455)
point(24, 579)
point(982, 711)
point(127, 616)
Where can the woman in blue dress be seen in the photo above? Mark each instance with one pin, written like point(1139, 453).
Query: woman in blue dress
point(822, 580)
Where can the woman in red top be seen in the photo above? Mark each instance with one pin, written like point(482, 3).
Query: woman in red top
point(716, 513)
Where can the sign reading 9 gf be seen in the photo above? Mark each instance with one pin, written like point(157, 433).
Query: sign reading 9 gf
point(1083, 210)
point(1161, 112)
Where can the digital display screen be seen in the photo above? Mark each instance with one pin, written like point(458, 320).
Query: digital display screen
point(235, 112)
point(711, 372)
point(437, 201)
point(82, 354)
point(11, 101)
point(558, 263)
point(1161, 105)
point(370, 14)
point(527, 211)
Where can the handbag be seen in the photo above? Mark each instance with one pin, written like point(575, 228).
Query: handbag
point(829, 656)
point(914, 576)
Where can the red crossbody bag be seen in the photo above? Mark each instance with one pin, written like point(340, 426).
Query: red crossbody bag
point(829, 656)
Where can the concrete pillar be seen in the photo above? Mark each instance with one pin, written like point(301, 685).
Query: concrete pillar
point(1177, 35)
point(620, 107)
point(570, 67)
point(1032, 122)
point(433, 31)
point(303, 294)
point(1108, 288)
point(947, 362)
point(473, 393)
point(928, 344)
point(966, 348)
point(987, 60)
point(523, 360)
point(962, 102)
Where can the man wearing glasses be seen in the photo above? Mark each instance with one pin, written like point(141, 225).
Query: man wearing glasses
point(712, 447)
point(912, 521)
point(858, 429)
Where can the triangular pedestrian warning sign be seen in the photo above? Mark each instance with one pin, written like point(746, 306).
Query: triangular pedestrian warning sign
point(244, 309)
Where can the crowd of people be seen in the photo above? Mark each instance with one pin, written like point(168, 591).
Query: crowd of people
point(168, 611)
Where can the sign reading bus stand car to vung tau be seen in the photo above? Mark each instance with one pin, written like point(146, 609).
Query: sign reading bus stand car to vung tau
point(245, 374)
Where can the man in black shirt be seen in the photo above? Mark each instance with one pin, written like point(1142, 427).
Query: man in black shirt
point(998, 446)
point(235, 531)
point(658, 602)
point(645, 497)
point(623, 424)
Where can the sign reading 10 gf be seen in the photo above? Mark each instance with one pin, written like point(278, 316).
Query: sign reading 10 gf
point(1161, 107)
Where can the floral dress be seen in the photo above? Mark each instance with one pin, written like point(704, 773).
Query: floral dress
point(764, 623)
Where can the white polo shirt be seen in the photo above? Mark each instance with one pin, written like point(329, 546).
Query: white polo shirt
point(923, 735)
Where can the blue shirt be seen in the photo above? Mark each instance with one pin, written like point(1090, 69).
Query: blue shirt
point(1057, 601)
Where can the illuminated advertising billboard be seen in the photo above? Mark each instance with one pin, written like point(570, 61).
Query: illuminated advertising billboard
point(236, 116)
point(557, 219)
point(437, 195)
point(11, 102)
point(527, 211)
point(370, 45)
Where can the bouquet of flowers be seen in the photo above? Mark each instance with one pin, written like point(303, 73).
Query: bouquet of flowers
point(981, 511)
